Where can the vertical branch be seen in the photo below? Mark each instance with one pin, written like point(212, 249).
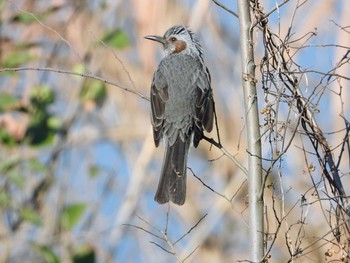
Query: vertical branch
point(256, 221)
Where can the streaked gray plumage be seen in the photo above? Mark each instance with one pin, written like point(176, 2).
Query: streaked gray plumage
point(182, 107)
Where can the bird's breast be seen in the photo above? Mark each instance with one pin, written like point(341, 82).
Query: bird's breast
point(181, 72)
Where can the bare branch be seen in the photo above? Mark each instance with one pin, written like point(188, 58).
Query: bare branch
point(190, 230)
point(225, 8)
point(83, 75)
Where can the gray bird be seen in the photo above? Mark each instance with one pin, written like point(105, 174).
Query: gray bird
point(182, 107)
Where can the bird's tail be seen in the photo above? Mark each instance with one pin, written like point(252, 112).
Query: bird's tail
point(172, 183)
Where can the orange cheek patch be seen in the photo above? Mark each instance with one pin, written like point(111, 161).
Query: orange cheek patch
point(179, 46)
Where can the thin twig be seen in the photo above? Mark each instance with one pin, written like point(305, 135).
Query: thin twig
point(267, 14)
point(84, 75)
point(189, 255)
point(225, 8)
point(226, 153)
point(190, 230)
point(207, 186)
point(171, 253)
point(145, 230)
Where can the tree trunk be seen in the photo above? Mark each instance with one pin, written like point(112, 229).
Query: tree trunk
point(256, 204)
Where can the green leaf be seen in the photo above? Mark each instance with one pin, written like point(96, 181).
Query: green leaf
point(7, 101)
point(26, 45)
point(6, 138)
point(84, 254)
point(16, 58)
point(94, 170)
point(4, 198)
point(9, 163)
point(25, 18)
point(39, 136)
point(54, 123)
point(47, 253)
point(116, 38)
point(79, 68)
point(17, 179)
point(71, 215)
point(38, 116)
point(42, 127)
point(31, 216)
point(42, 95)
point(94, 91)
point(36, 166)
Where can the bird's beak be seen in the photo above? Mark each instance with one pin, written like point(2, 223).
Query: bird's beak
point(156, 38)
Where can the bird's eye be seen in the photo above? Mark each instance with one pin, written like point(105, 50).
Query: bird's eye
point(173, 39)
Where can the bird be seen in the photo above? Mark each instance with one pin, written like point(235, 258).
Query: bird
point(182, 107)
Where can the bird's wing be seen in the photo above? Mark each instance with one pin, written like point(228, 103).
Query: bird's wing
point(159, 95)
point(204, 105)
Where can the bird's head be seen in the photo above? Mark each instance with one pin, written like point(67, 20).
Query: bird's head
point(179, 39)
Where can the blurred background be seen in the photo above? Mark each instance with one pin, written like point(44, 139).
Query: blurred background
point(78, 166)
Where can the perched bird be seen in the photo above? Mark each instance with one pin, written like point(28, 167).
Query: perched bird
point(182, 107)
